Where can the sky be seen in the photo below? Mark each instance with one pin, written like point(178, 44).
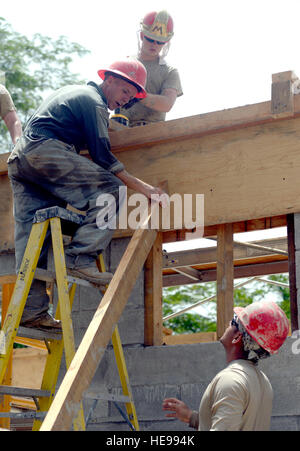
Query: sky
point(225, 50)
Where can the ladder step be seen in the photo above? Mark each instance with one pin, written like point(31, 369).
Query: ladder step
point(50, 276)
point(24, 392)
point(107, 397)
point(33, 415)
point(37, 334)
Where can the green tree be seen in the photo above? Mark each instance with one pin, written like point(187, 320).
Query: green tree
point(33, 67)
point(178, 298)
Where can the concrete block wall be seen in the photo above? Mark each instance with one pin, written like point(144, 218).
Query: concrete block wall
point(183, 371)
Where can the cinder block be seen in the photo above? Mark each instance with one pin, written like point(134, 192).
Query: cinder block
point(117, 248)
point(7, 264)
point(284, 423)
point(191, 394)
point(148, 400)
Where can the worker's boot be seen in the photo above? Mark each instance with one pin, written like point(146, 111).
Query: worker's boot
point(44, 322)
point(92, 274)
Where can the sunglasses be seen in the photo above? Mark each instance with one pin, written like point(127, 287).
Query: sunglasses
point(152, 40)
point(234, 323)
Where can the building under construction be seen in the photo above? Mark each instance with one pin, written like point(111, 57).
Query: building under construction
point(246, 163)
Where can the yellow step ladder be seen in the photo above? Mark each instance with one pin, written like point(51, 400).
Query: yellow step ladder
point(60, 221)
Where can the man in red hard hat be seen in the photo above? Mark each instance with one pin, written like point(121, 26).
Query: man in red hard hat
point(45, 169)
point(163, 82)
point(239, 398)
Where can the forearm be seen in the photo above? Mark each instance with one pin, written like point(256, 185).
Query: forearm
point(151, 192)
point(133, 183)
point(163, 102)
point(16, 132)
point(14, 125)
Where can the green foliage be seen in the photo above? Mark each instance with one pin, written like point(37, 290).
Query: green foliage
point(177, 298)
point(33, 67)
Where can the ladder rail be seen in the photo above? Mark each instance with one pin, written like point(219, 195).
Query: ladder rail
point(122, 369)
point(97, 336)
point(20, 293)
point(64, 313)
point(56, 343)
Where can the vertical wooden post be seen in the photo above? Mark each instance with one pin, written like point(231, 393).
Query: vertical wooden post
point(282, 101)
point(292, 271)
point(7, 290)
point(153, 295)
point(224, 277)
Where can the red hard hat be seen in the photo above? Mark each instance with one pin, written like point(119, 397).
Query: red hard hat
point(266, 323)
point(158, 26)
point(132, 71)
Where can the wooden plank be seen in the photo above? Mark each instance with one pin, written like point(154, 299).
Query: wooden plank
point(292, 272)
point(91, 350)
point(210, 275)
point(238, 227)
point(224, 277)
point(8, 279)
point(191, 273)
point(196, 126)
point(153, 295)
point(254, 186)
point(200, 337)
point(209, 254)
point(282, 102)
point(257, 182)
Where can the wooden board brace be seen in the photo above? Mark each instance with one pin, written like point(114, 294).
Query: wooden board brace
point(91, 350)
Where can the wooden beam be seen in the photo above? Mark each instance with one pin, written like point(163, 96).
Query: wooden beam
point(197, 126)
point(224, 277)
point(238, 227)
point(292, 272)
point(190, 273)
point(200, 337)
point(192, 257)
point(91, 350)
point(282, 102)
point(255, 184)
point(153, 295)
point(210, 275)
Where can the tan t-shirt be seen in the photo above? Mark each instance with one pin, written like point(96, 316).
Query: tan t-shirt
point(239, 398)
point(6, 103)
point(159, 78)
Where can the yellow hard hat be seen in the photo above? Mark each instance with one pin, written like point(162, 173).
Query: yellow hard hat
point(158, 26)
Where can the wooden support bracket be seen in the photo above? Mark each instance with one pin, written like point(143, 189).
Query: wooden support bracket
point(282, 103)
point(224, 277)
point(153, 295)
